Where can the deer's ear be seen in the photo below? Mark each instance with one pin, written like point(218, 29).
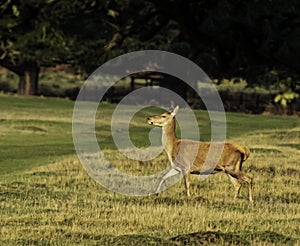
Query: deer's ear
point(171, 108)
point(175, 110)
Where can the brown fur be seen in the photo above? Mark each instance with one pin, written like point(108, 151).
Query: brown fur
point(190, 156)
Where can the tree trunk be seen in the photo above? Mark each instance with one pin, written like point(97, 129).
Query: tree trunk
point(28, 79)
point(28, 73)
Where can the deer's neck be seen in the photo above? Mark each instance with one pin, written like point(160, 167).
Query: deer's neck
point(169, 136)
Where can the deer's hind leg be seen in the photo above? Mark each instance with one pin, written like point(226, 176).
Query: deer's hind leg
point(237, 185)
point(235, 178)
point(248, 180)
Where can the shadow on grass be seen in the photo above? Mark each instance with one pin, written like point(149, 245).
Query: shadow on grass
point(201, 238)
point(197, 238)
point(210, 238)
point(241, 238)
point(134, 240)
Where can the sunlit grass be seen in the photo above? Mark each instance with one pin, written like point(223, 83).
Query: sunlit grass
point(61, 203)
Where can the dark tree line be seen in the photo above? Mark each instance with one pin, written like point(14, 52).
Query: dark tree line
point(255, 40)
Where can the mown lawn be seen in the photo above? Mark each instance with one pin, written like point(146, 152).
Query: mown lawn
point(33, 131)
point(46, 198)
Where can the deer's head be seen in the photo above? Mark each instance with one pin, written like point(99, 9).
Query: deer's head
point(163, 119)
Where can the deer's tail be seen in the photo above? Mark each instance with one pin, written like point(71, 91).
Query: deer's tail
point(244, 151)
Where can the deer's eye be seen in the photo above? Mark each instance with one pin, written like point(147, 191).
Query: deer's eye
point(163, 116)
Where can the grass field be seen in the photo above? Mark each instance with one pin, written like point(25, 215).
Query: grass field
point(46, 198)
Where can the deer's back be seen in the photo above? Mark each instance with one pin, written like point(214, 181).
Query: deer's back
point(193, 154)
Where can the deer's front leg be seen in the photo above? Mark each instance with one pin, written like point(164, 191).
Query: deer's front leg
point(186, 180)
point(171, 173)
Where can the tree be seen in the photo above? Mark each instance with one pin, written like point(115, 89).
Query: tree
point(226, 38)
point(45, 33)
point(247, 39)
point(27, 41)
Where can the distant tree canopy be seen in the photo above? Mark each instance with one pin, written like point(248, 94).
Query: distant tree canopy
point(255, 40)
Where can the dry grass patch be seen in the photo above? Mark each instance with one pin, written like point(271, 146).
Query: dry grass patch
point(61, 204)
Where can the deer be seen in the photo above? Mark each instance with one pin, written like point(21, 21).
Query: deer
point(188, 156)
